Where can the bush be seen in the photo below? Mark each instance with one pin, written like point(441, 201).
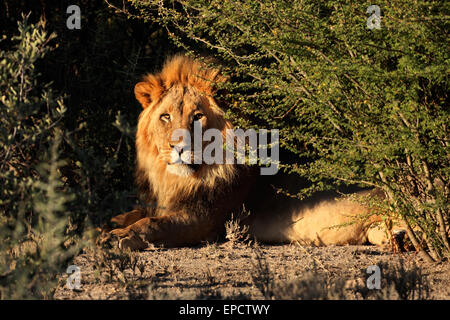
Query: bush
point(33, 219)
point(357, 106)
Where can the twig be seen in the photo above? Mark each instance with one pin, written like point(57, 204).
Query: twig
point(290, 109)
point(312, 257)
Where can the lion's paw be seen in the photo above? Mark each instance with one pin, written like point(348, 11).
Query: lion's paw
point(125, 239)
point(133, 243)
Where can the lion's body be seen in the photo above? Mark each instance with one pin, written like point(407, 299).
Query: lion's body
point(194, 202)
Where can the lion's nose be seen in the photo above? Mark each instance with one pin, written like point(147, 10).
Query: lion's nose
point(180, 153)
point(177, 147)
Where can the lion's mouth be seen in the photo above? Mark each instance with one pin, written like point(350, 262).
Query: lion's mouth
point(182, 169)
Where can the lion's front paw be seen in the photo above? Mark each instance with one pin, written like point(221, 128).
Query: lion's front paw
point(126, 239)
point(133, 243)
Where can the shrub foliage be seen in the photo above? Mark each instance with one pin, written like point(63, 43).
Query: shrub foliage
point(33, 216)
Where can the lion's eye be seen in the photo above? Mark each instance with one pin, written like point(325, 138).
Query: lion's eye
point(198, 116)
point(165, 117)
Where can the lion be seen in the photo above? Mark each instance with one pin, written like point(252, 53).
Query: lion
point(194, 201)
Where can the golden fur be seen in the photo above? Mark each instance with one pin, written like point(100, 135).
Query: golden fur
point(193, 205)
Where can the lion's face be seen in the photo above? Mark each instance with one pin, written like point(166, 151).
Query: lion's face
point(172, 125)
point(179, 106)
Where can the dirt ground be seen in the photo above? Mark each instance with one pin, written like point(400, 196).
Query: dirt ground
point(244, 271)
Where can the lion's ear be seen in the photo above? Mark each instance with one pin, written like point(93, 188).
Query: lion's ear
point(148, 91)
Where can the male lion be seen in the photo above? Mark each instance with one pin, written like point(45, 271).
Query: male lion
point(193, 201)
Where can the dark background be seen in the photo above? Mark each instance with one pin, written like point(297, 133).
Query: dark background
point(95, 69)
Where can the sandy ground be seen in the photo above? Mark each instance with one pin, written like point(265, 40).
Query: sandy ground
point(242, 271)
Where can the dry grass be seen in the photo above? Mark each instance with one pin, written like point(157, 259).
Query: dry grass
point(221, 271)
point(236, 233)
